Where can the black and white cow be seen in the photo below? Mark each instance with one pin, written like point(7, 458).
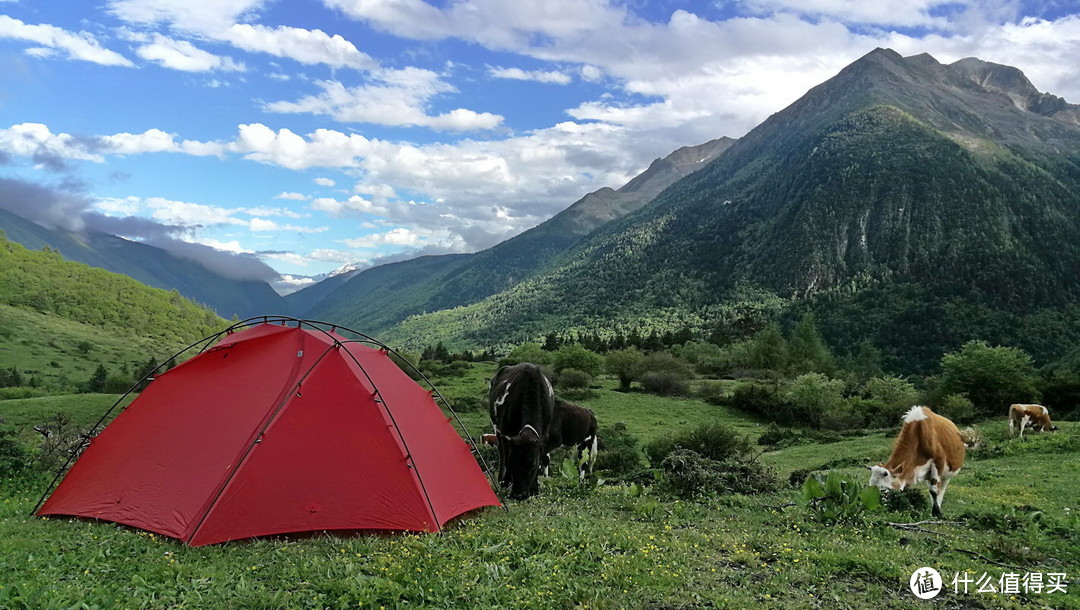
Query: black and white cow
point(572, 425)
point(521, 403)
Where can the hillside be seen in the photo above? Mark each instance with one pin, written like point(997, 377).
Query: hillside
point(151, 266)
point(913, 203)
point(380, 297)
point(42, 281)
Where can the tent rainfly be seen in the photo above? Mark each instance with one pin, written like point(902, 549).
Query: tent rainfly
point(277, 429)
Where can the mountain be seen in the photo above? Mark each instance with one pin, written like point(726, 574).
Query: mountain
point(905, 201)
point(59, 320)
point(380, 297)
point(304, 299)
point(151, 266)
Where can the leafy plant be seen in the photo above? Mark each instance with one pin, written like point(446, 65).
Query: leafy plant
point(833, 499)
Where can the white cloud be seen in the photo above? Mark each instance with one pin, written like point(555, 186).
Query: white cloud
point(184, 56)
point(304, 46)
point(263, 225)
point(35, 139)
point(321, 181)
point(221, 21)
point(81, 46)
point(393, 97)
point(542, 76)
point(291, 196)
point(184, 14)
point(905, 13)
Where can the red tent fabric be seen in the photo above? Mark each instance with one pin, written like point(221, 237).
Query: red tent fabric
point(277, 429)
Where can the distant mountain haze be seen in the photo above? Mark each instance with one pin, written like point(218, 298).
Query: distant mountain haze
point(151, 266)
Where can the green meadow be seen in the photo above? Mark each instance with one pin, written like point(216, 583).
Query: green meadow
point(1013, 509)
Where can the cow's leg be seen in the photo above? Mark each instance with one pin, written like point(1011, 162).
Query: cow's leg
point(504, 454)
point(934, 479)
point(1023, 424)
point(1012, 425)
point(592, 453)
point(941, 494)
point(545, 461)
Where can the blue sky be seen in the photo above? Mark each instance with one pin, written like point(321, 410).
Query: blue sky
point(280, 139)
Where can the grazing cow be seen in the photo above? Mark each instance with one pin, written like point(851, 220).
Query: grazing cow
point(572, 425)
point(1035, 417)
point(521, 403)
point(929, 449)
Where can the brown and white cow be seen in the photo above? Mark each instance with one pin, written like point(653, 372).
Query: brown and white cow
point(928, 449)
point(1035, 417)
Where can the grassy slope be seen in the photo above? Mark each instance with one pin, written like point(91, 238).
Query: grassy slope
point(32, 341)
point(606, 549)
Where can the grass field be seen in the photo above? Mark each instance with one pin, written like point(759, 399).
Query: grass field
point(1016, 505)
point(63, 353)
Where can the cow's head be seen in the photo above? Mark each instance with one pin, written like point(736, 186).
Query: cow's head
point(883, 478)
point(523, 461)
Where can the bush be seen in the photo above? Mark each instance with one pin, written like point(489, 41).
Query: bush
point(711, 440)
point(776, 437)
point(818, 401)
point(617, 452)
point(13, 453)
point(468, 404)
point(713, 393)
point(762, 401)
point(665, 383)
point(956, 407)
point(991, 377)
point(528, 352)
point(664, 362)
point(578, 358)
point(574, 379)
point(688, 474)
point(623, 364)
point(913, 500)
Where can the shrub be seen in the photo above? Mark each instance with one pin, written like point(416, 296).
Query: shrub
point(991, 377)
point(578, 358)
point(687, 474)
point(776, 437)
point(910, 500)
point(713, 393)
point(664, 362)
point(13, 453)
point(623, 364)
point(711, 440)
point(665, 383)
point(528, 352)
point(956, 407)
point(617, 451)
point(817, 400)
point(574, 379)
point(762, 401)
point(468, 404)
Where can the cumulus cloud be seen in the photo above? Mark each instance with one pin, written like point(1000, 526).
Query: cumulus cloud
point(223, 21)
point(323, 181)
point(541, 76)
point(291, 196)
point(393, 97)
point(184, 56)
point(80, 46)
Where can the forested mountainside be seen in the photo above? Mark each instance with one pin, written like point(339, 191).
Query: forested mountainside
point(911, 203)
point(380, 297)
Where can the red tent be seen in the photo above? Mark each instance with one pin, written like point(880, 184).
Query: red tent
point(277, 429)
